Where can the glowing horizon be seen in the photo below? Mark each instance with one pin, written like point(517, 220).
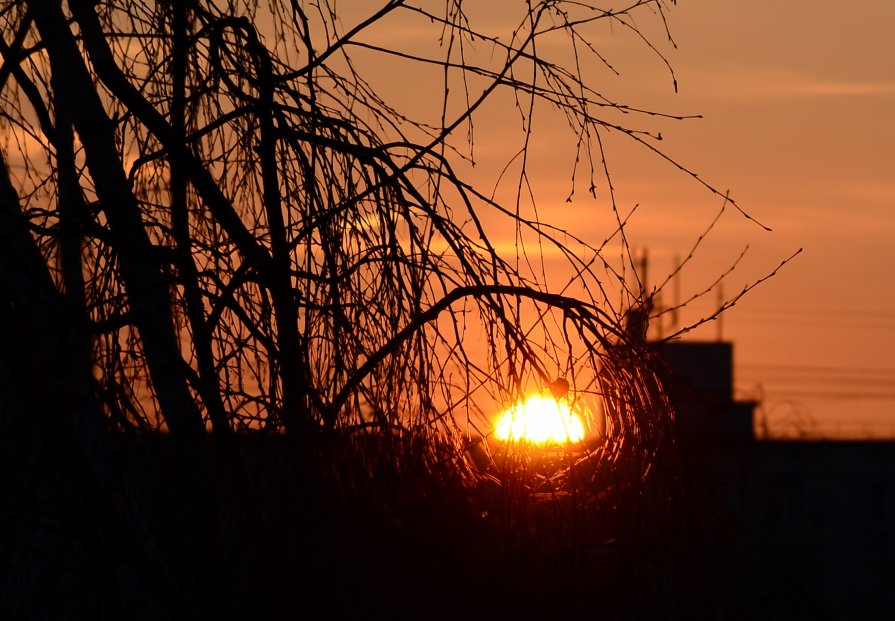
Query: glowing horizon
point(540, 420)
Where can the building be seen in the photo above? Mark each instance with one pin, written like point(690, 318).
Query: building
point(813, 522)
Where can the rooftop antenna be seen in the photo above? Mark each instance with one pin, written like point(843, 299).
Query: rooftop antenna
point(644, 264)
point(637, 316)
point(677, 294)
point(720, 315)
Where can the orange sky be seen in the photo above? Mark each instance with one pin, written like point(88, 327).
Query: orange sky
point(798, 106)
point(797, 99)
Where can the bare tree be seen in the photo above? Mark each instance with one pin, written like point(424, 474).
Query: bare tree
point(214, 225)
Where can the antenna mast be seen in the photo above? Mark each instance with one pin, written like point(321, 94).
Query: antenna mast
point(677, 294)
point(720, 315)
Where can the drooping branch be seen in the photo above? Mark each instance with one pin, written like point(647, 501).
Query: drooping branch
point(566, 304)
point(147, 285)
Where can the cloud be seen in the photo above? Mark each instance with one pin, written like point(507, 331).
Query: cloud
point(840, 89)
point(761, 83)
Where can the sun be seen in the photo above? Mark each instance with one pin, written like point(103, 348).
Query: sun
point(540, 420)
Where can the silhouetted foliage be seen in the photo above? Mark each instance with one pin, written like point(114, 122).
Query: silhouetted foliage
point(256, 321)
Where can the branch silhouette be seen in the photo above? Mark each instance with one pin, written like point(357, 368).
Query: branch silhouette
point(277, 313)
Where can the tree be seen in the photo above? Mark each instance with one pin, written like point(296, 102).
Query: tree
point(214, 226)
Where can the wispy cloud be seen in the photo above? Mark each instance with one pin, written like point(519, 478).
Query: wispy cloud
point(775, 83)
point(839, 89)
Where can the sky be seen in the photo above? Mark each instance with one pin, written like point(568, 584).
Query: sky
point(796, 102)
point(797, 99)
point(796, 107)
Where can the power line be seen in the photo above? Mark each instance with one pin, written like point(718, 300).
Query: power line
point(812, 368)
point(810, 382)
point(817, 376)
point(830, 394)
point(821, 382)
point(860, 313)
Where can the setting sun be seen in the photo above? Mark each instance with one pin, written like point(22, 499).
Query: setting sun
point(540, 420)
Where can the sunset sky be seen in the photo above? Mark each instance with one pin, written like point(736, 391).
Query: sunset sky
point(797, 101)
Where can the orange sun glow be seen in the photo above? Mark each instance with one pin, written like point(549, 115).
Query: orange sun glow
point(540, 420)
